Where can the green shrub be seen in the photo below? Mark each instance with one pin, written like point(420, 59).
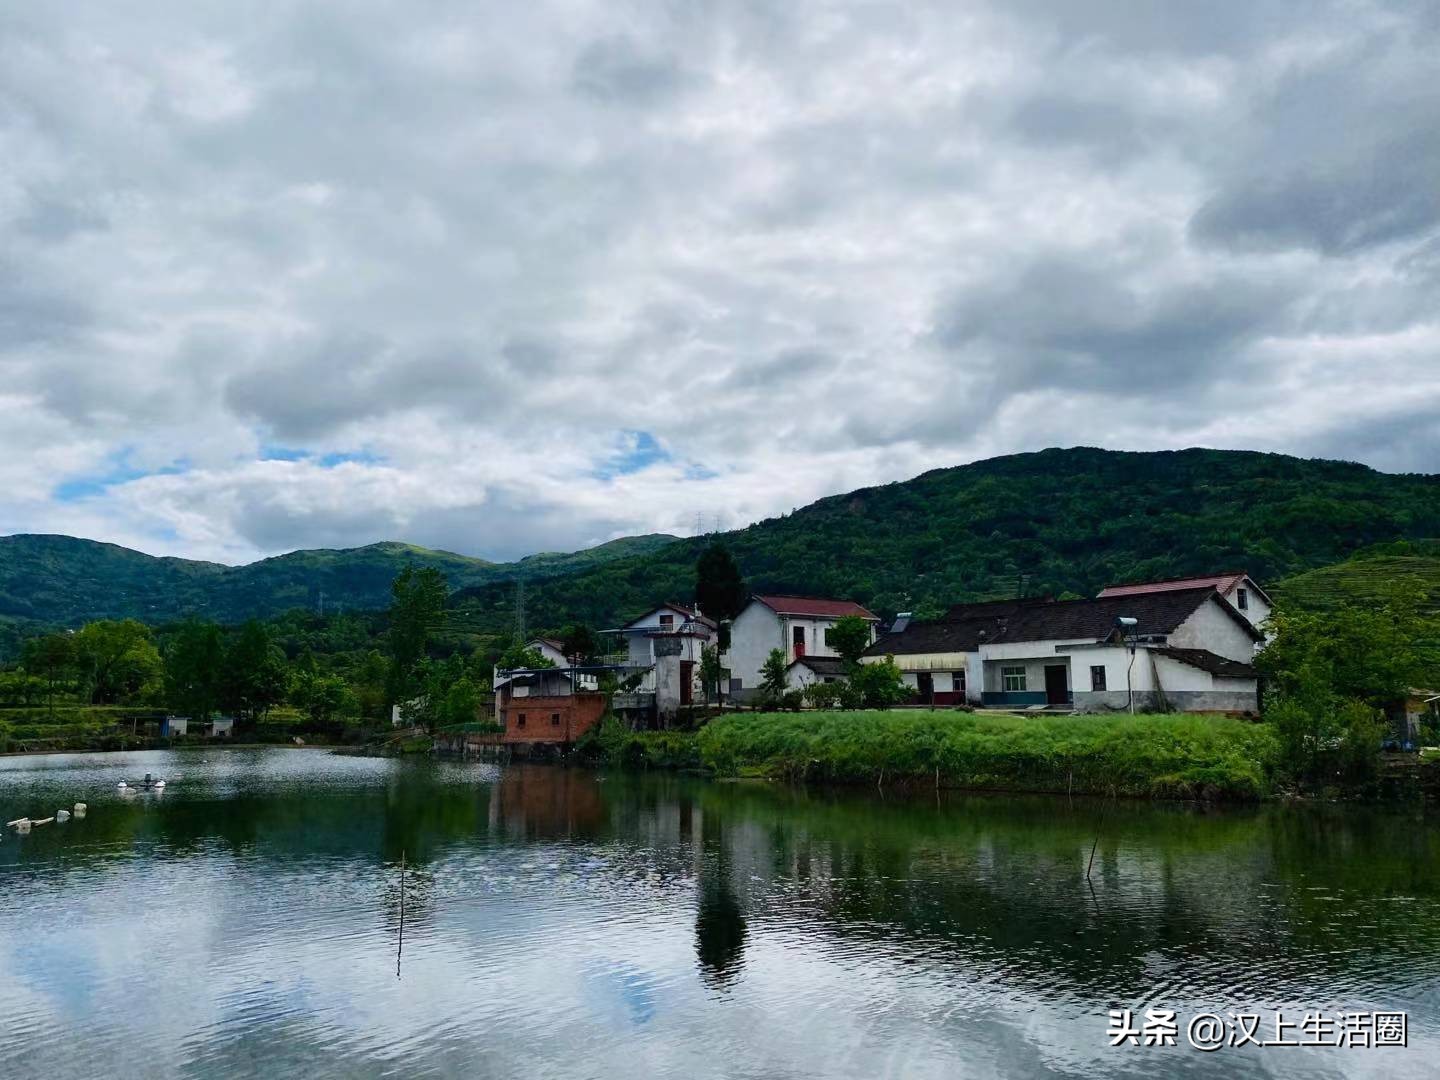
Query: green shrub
point(823, 695)
point(1165, 756)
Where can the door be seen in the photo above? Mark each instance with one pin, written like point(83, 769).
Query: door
point(1055, 685)
point(799, 638)
point(687, 681)
point(925, 683)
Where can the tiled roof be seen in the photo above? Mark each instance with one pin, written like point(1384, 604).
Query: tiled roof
point(814, 607)
point(554, 643)
point(1208, 661)
point(822, 665)
point(966, 627)
point(1222, 583)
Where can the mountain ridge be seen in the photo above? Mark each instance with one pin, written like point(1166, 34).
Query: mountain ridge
point(1063, 521)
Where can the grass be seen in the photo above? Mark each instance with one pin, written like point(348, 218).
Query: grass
point(1156, 756)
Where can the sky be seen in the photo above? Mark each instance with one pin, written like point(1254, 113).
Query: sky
point(500, 278)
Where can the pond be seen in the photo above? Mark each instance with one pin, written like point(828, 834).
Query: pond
point(569, 923)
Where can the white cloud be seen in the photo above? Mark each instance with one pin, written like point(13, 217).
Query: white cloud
point(463, 252)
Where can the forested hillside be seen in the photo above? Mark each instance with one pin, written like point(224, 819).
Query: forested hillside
point(1058, 521)
point(61, 581)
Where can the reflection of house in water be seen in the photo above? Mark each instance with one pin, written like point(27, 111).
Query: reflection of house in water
point(530, 802)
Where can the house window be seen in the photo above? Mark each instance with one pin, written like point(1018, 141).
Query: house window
point(1013, 679)
point(827, 637)
point(554, 719)
point(667, 622)
point(957, 679)
point(520, 719)
point(1242, 599)
point(1097, 677)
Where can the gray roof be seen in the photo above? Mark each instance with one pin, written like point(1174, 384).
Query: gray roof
point(822, 665)
point(966, 627)
point(1208, 661)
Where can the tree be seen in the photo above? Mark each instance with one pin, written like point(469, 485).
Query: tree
point(710, 671)
point(578, 640)
point(519, 655)
point(773, 680)
point(194, 669)
point(719, 589)
point(117, 660)
point(850, 636)
point(323, 697)
point(51, 658)
point(880, 685)
point(417, 610)
point(255, 677)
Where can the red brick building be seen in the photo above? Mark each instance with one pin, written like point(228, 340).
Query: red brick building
point(557, 718)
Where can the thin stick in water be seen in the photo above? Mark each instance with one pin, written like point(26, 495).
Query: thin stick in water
point(400, 944)
point(1090, 865)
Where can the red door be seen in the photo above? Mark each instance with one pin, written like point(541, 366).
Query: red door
point(687, 681)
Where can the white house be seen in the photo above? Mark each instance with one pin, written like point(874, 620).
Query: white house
point(1191, 652)
point(671, 630)
point(1236, 586)
point(797, 625)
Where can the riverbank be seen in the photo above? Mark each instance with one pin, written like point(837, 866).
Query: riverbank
point(1162, 757)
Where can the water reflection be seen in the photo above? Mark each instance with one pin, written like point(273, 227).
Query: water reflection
point(657, 924)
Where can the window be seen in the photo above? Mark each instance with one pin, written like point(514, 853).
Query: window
point(520, 719)
point(1242, 599)
point(957, 679)
point(1097, 677)
point(827, 636)
point(554, 719)
point(1013, 678)
point(667, 622)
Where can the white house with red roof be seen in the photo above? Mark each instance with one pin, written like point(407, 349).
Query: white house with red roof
point(797, 625)
point(1236, 586)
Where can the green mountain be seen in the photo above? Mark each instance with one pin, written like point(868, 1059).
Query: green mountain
point(64, 581)
point(1057, 521)
point(1370, 576)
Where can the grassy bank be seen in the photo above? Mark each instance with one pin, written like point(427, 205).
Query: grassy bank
point(1154, 756)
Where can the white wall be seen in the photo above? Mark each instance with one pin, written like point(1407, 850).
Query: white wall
point(755, 631)
point(1209, 627)
point(1256, 609)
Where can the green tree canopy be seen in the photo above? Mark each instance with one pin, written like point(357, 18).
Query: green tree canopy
point(255, 677)
point(194, 669)
point(719, 588)
point(417, 611)
point(117, 660)
point(849, 637)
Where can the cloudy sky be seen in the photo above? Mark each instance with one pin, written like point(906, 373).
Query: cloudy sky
point(508, 277)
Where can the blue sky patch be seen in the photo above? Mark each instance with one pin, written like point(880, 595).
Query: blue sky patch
point(120, 471)
point(636, 450)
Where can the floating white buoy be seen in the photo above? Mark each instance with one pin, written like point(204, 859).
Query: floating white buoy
point(122, 785)
point(159, 784)
point(80, 809)
point(62, 816)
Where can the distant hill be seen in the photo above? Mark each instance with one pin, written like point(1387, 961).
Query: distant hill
point(1368, 577)
point(64, 581)
point(1057, 521)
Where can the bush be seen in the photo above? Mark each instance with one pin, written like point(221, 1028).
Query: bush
point(1328, 740)
point(823, 695)
point(881, 685)
point(1158, 756)
point(792, 700)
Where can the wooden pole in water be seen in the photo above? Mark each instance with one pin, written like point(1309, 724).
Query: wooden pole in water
point(1089, 866)
point(400, 945)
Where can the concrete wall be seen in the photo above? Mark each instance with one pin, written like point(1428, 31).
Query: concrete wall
point(1256, 609)
point(1211, 628)
point(755, 631)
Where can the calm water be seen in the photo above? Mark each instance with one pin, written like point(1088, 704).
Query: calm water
point(564, 923)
